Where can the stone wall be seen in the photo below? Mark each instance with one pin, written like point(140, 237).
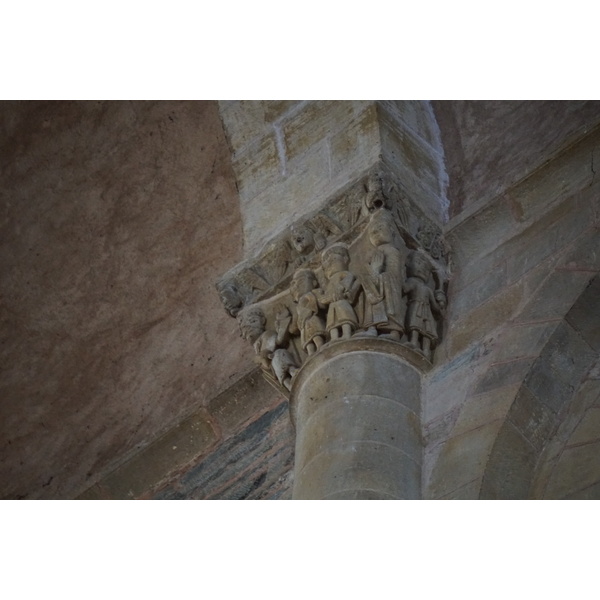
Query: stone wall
point(117, 218)
point(123, 376)
point(520, 264)
point(291, 157)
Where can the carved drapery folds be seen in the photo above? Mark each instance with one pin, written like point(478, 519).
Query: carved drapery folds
point(368, 264)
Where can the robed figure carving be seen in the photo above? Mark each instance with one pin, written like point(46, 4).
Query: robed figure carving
point(340, 293)
point(308, 321)
point(422, 304)
point(385, 307)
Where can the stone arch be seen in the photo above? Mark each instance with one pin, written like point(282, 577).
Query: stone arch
point(496, 375)
point(554, 410)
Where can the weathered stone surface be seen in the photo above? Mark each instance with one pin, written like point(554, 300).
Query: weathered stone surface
point(367, 466)
point(584, 399)
point(469, 491)
point(317, 121)
point(569, 173)
point(273, 209)
point(417, 165)
point(589, 493)
point(417, 116)
point(577, 469)
point(245, 121)
point(477, 292)
point(360, 418)
point(116, 219)
point(588, 429)
point(555, 296)
point(462, 460)
point(258, 166)
point(495, 144)
point(478, 235)
point(523, 340)
point(359, 495)
point(448, 386)
point(585, 254)
point(382, 373)
point(357, 423)
point(501, 374)
point(510, 468)
point(254, 464)
point(526, 244)
point(241, 402)
point(148, 468)
point(484, 408)
point(485, 317)
point(356, 146)
point(584, 316)
point(533, 419)
point(556, 374)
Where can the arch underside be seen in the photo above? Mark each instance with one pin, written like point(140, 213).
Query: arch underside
point(549, 443)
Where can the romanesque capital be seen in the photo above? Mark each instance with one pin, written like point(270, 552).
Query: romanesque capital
point(369, 264)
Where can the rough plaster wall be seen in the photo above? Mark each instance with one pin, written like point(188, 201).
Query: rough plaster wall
point(117, 218)
point(491, 145)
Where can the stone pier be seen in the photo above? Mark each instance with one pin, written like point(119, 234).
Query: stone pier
point(344, 312)
point(356, 407)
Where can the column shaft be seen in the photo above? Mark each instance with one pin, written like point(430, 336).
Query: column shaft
point(356, 411)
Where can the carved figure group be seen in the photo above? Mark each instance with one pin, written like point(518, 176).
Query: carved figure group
point(390, 291)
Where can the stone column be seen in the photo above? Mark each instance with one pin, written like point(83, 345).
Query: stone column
point(356, 407)
point(344, 312)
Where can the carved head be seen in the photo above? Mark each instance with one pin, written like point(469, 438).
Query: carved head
point(418, 265)
point(430, 238)
point(302, 239)
point(374, 200)
point(252, 323)
point(380, 230)
point(230, 297)
point(335, 259)
point(304, 281)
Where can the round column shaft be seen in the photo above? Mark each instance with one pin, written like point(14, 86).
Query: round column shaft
point(356, 407)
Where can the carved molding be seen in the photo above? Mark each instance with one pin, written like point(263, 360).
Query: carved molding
point(369, 264)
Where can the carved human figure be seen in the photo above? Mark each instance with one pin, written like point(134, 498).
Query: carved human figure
point(422, 303)
point(340, 292)
point(374, 199)
point(385, 306)
point(308, 322)
point(305, 242)
point(230, 297)
point(267, 344)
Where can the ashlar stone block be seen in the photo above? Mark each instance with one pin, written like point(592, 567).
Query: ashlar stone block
point(462, 460)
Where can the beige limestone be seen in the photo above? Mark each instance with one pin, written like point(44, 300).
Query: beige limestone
point(356, 407)
point(290, 159)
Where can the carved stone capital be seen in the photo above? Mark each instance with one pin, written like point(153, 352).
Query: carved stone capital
point(369, 264)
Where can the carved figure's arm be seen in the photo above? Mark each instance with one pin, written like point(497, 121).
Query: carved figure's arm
point(433, 302)
point(354, 290)
point(283, 320)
